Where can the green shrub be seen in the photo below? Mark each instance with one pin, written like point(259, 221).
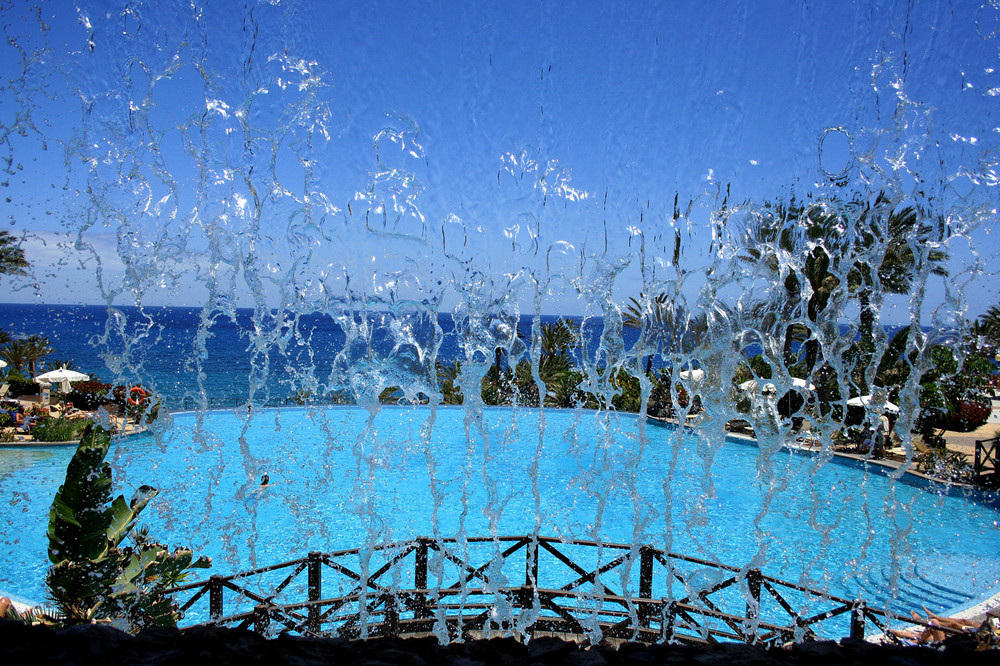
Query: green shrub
point(971, 413)
point(89, 395)
point(945, 465)
point(5, 420)
point(22, 387)
point(59, 430)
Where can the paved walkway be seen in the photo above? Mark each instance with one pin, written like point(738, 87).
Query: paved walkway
point(965, 442)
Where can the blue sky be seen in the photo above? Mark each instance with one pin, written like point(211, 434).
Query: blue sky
point(458, 154)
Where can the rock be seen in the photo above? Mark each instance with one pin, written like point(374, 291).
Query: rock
point(104, 645)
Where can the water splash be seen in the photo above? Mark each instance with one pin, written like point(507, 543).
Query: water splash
point(233, 160)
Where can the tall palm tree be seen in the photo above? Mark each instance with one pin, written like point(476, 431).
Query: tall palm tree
point(12, 261)
point(36, 348)
point(879, 246)
point(801, 248)
point(905, 243)
point(55, 364)
point(557, 338)
point(895, 244)
point(985, 331)
point(665, 328)
point(448, 376)
point(15, 353)
point(556, 364)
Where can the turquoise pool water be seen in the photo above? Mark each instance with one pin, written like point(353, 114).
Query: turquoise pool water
point(341, 477)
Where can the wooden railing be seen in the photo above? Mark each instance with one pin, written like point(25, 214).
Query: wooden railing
point(985, 465)
point(524, 585)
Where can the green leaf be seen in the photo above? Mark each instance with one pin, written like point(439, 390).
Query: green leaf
point(78, 518)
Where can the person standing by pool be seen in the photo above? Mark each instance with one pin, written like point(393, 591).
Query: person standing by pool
point(884, 434)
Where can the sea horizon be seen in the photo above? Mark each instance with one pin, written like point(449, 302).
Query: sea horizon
point(165, 349)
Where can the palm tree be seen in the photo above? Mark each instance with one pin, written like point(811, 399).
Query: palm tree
point(55, 364)
point(15, 353)
point(556, 365)
point(772, 239)
point(906, 245)
point(880, 248)
point(36, 348)
point(665, 328)
point(448, 376)
point(558, 338)
point(893, 233)
point(985, 331)
point(12, 261)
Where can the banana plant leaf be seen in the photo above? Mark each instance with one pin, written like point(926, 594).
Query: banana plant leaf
point(123, 516)
point(79, 517)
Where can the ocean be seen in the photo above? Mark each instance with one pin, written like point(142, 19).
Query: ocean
point(220, 362)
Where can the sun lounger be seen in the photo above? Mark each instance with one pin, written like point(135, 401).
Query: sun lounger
point(740, 426)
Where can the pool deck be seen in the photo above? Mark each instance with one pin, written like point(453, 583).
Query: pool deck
point(124, 428)
point(22, 440)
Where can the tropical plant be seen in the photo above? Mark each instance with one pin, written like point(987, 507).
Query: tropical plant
point(12, 261)
point(448, 375)
point(800, 249)
point(665, 327)
point(15, 355)
point(90, 394)
point(556, 366)
point(951, 392)
point(390, 395)
point(37, 349)
point(628, 391)
point(945, 465)
point(893, 243)
point(56, 364)
point(19, 386)
point(820, 252)
point(59, 430)
point(23, 354)
point(94, 575)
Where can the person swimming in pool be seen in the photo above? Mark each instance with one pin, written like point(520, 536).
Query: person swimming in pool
point(265, 480)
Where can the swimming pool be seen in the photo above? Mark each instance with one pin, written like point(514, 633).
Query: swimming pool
point(343, 476)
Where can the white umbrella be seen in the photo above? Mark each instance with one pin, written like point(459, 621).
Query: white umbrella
point(751, 385)
point(3, 364)
point(694, 375)
point(867, 401)
point(62, 376)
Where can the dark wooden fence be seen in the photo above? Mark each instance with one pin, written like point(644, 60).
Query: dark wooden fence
point(524, 585)
point(985, 464)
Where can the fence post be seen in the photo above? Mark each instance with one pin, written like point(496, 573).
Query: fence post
point(215, 597)
point(858, 619)
point(645, 583)
point(391, 616)
point(753, 578)
point(261, 618)
point(669, 618)
point(315, 590)
point(420, 576)
point(531, 564)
